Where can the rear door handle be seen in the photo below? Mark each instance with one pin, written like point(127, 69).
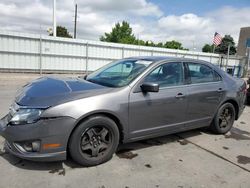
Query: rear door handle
point(180, 95)
point(220, 90)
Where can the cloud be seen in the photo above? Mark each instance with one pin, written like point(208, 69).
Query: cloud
point(94, 16)
point(146, 18)
point(229, 20)
point(136, 7)
point(189, 28)
point(195, 30)
point(185, 23)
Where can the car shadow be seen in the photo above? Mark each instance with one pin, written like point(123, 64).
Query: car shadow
point(123, 151)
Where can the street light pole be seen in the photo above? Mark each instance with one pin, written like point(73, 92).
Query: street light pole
point(54, 18)
point(75, 20)
point(228, 52)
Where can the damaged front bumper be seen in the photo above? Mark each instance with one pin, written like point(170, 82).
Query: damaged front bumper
point(35, 141)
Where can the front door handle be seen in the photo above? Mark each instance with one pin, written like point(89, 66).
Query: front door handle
point(180, 95)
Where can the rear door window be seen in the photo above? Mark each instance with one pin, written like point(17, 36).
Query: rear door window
point(200, 73)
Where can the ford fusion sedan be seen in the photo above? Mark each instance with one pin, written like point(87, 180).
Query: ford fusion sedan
point(127, 100)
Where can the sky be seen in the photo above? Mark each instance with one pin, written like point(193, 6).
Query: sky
point(191, 22)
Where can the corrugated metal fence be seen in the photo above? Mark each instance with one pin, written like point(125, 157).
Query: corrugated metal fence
point(40, 53)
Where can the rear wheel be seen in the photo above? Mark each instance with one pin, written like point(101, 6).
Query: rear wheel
point(94, 141)
point(224, 119)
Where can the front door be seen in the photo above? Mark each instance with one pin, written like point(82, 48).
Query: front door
point(155, 113)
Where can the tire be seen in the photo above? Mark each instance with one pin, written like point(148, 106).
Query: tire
point(94, 141)
point(222, 123)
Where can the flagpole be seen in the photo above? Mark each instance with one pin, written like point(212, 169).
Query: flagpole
point(213, 48)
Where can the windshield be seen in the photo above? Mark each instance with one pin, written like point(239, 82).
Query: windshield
point(118, 73)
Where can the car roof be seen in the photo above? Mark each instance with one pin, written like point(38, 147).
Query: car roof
point(155, 59)
point(163, 58)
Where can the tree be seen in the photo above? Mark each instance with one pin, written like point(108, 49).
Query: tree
point(173, 45)
point(121, 33)
point(62, 32)
point(160, 44)
point(149, 43)
point(139, 42)
point(208, 48)
point(223, 47)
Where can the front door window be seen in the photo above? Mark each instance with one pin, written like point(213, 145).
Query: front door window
point(167, 75)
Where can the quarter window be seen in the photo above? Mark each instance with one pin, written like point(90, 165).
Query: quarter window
point(168, 74)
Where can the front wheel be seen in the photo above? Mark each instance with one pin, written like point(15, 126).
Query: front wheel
point(224, 119)
point(94, 141)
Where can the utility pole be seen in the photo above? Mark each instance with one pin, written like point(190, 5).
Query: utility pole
point(54, 18)
point(75, 20)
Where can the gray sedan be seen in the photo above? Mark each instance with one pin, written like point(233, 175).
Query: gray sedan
point(127, 100)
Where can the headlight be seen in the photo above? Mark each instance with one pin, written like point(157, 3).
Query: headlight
point(25, 116)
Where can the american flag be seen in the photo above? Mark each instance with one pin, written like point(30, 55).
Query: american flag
point(217, 39)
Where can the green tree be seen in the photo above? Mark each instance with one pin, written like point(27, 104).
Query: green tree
point(208, 48)
point(173, 45)
point(160, 44)
point(139, 42)
point(62, 32)
point(223, 47)
point(149, 43)
point(121, 33)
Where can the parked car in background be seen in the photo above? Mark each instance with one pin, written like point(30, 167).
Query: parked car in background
point(130, 99)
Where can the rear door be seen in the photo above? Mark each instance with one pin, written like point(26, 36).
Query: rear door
point(205, 90)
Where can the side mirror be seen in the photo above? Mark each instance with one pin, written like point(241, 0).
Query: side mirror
point(150, 87)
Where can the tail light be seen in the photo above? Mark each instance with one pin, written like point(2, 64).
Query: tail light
point(244, 88)
point(245, 91)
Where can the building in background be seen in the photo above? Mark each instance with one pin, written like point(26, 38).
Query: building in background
point(243, 49)
point(244, 40)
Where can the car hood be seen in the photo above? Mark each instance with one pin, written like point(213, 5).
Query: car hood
point(49, 91)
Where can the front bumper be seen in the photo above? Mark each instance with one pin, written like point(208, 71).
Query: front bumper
point(46, 131)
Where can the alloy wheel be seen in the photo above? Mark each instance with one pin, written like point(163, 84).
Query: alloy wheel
point(226, 118)
point(95, 142)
